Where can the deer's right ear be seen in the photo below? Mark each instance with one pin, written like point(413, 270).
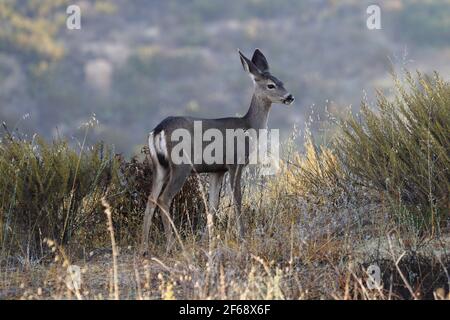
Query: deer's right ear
point(249, 66)
point(260, 61)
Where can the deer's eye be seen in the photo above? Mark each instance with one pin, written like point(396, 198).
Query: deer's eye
point(270, 86)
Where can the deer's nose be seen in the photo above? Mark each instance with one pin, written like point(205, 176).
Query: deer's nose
point(289, 99)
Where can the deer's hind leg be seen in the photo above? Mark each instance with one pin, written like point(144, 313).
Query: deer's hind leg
point(178, 176)
point(160, 177)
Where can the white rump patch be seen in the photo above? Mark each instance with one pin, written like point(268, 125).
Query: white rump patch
point(151, 144)
point(161, 145)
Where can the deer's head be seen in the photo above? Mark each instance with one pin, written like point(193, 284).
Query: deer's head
point(266, 85)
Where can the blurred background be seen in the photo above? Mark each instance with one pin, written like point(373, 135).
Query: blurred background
point(135, 62)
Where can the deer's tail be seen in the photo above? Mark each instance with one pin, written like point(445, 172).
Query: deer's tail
point(158, 148)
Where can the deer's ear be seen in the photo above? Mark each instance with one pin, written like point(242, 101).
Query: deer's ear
point(249, 66)
point(260, 61)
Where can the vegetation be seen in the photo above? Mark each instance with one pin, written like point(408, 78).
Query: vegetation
point(313, 229)
point(29, 29)
point(51, 191)
point(404, 148)
point(374, 191)
point(48, 191)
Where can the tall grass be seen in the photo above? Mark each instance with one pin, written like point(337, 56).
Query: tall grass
point(51, 190)
point(402, 150)
point(48, 190)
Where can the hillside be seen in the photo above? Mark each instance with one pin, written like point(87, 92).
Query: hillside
point(139, 62)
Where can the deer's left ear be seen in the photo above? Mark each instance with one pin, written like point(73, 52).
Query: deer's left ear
point(260, 61)
point(250, 67)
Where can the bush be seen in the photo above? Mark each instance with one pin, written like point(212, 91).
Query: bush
point(48, 190)
point(403, 150)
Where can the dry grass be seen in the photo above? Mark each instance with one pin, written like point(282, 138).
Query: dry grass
point(298, 246)
point(320, 269)
point(313, 229)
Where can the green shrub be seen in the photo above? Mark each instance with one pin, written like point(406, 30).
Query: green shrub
point(49, 190)
point(403, 149)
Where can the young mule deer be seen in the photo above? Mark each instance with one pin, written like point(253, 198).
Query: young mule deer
point(169, 177)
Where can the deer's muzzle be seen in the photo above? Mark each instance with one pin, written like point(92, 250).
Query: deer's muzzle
point(289, 99)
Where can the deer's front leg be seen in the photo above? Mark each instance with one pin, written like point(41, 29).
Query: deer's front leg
point(235, 181)
point(215, 184)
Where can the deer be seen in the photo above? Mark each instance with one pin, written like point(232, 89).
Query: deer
point(169, 177)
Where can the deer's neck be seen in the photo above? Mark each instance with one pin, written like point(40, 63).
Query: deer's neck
point(258, 113)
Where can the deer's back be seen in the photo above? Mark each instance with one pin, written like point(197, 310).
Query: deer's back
point(167, 137)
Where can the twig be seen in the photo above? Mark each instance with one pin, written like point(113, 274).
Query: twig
point(138, 279)
point(445, 270)
point(114, 248)
point(397, 261)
